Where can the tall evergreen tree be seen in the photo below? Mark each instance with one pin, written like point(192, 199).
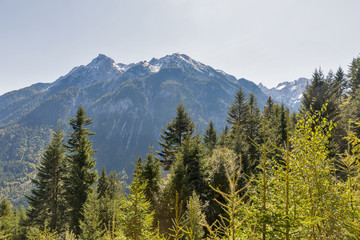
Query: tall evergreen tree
point(315, 94)
point(103, 188)
point(47, 201)
point(194, 216)
point(81, 176)
point(174, 135)
point(338, 86)
point(354, 75)
point(138, 218)
point(210, 137)
point(151, 175)
point(252, 133)
point(188, 173)
point(7, 220)
point(238, 109)
point(91, 225)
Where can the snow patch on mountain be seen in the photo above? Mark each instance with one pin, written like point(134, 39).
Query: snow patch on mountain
point(289, 93)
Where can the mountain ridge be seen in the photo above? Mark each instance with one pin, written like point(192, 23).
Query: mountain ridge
point(130, 104)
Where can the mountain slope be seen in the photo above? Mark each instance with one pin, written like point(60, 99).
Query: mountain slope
point(130, 103)
point(289, 93)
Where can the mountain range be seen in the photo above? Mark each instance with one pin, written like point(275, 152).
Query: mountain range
point(130, 104)
point(289, 93)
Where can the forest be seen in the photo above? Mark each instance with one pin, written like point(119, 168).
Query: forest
point(268, 175)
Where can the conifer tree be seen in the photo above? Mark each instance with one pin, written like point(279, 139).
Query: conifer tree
point(238, 109)
point(138, 217)
point(218, 163)
point(237, 117)
point(210, 137)
point(252, 133)
point(174, 135)
point(7, 220)
point(103, 188)
point(81, 176)
point(47, 201)
point(91, 225)
point(269, 107)
point(338, 86)
point(315, 94)
point(151, 175)
point(194, 219)
point(354, 75)
point(224, 138)
point(189, 174)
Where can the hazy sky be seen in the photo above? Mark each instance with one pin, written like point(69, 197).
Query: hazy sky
point(267, 41)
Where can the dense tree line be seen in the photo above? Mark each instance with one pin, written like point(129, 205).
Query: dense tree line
point(268, 175)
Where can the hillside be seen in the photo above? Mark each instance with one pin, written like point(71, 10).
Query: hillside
point(130, 103)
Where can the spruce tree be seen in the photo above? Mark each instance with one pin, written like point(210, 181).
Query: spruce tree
point(174, 135)
point(7, 220)
point(47, 199)
point(354, 75)
point(103, 188)
point(238, 109)
point(252, 133)
point(315, 94)
point(151, 175)
point(81, 176)
point(91, 225)
point(193, 226)
point(338, 86)
point(138, 217)
point(210, 137)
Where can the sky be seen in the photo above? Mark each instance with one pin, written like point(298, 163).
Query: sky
point(260, 40)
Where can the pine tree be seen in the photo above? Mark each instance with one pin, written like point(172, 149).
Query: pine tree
point(103, 188)
point(174, 135)
point(81, 176)
point(47, 202)
point(7, 221)
point(138, 217)
point(238, 109)
point(338, 86)
point(210, 137)
point(252, 133)
point(191, 156)
point(269, 107)
point(91, 225)
point(237, 117)
point(151, 175)
point(354, 75)
point(194, 219)
point(315, 94)
point(218, 162)
point(230, 223)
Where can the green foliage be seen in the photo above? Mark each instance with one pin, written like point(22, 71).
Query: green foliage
point(354, 75)
point(188, 173)
point(7, 219)
point(91, 226)
point(174, 135)
point(231, 223)
point(138, 219)
point(151, 175)
point(103, 188)
point(21, 151)
point(47, 202)
point(194, 219)
point(210, 137)
point(217, 164)
point(81, 176)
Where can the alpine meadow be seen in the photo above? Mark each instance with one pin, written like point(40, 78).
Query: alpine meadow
point(218, 167)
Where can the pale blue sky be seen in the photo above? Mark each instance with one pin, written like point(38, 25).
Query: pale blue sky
point(263, 41)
